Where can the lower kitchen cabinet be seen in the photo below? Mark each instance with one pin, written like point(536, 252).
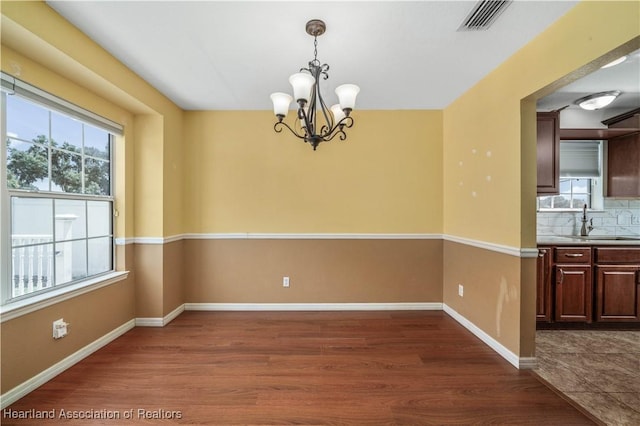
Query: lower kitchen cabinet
point(588, 284)
point(617, 284)
point(618, 293)
point(573, 293)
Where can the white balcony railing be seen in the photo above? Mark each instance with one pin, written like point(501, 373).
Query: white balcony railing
point(33, 257)
point(31, 263)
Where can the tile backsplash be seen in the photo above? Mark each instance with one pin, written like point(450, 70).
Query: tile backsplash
point(619, 217)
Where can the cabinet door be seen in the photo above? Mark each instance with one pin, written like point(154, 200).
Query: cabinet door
point(573, 293)
point(623, 166)
point(548, 137)
point(618, 293)
point(543, 285)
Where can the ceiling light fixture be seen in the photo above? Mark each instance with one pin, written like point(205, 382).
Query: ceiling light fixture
point(597, 100)
point(306, 91)
point(614, 63)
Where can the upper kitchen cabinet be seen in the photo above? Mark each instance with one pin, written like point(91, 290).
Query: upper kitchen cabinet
point(623, 157)
point(548, 129)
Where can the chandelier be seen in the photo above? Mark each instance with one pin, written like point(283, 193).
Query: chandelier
point(311, 105)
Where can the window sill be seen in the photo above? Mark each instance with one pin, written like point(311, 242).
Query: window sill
point(22, 307)
point(569, 211)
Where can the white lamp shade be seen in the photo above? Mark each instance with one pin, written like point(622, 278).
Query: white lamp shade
point(338, 114)
point(347, 95)
point(597, 103)
point(281, 102)
point(597, 100)
point(301, 83)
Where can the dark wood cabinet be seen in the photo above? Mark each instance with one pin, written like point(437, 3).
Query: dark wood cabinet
point(617, 284)
point(573, 293)
point(587, 284)
point(618, 293)
point(623, 157)
point(573, 284)
point(543, 285)
point(623, 166)
point(548, 148)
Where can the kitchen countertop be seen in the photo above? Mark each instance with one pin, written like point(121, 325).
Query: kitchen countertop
point(599, 240)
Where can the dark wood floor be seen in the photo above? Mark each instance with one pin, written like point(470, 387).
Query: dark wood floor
point(300, 368)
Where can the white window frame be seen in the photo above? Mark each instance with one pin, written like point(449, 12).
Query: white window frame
point(32, 301)
point(570, 196)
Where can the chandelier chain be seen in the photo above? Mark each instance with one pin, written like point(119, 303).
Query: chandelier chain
point(315, 49)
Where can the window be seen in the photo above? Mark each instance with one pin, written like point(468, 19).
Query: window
point(580, 177)
point(574, 194)
point(58, 179)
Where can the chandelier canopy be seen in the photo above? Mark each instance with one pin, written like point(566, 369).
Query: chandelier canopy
point(306, 92)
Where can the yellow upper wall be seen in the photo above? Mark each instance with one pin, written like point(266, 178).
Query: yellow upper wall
point(37, 33)
point(386, 177)
point(208, 176)
point(483, 175)
point(43, 78)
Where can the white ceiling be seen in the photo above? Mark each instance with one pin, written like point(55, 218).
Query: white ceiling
point(624, 77)
point(212, 55)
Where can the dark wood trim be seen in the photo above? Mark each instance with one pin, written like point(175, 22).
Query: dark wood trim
point(620, 117)
point(596, 134)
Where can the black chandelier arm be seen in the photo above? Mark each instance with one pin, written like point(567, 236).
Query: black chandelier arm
point(306, 118)
point(328, 116)
point(324, 68)
point(330, 133)
point(345, 122)
point(335, 132)
point(278, 129)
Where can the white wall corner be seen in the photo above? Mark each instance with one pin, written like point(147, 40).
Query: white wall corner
point(38, 380)
point(160, 321)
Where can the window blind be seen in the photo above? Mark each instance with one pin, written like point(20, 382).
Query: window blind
point(580, 159)
point(12, 85)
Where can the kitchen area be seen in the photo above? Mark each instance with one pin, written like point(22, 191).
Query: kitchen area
point(588, 236)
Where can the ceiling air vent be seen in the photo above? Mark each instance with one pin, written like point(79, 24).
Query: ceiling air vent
point(484, 13)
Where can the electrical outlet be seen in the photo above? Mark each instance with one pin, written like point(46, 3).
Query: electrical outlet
point(59, 328)
point(460, 290)
point(285, 281)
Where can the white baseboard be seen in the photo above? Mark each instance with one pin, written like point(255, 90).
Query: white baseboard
point(523, 363)
point(160, 322)
point(427, 306)
point(22, 389)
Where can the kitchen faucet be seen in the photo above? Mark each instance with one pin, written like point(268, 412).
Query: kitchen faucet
point(584, 231)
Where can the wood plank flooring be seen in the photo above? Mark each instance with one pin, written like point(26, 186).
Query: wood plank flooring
point(298, 368)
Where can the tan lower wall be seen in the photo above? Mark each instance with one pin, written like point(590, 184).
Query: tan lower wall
point(528, 308)
point(173, 280)
point(149, 266)
point(321, 271)
point(492, 293)
point(28, 347)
